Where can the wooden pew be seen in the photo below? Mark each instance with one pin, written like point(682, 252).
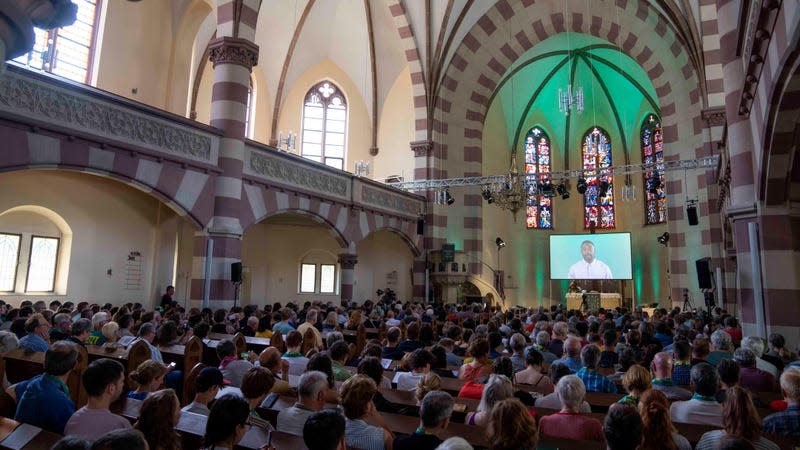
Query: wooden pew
point(254, 344)
point(21, 365)
point(29, 437)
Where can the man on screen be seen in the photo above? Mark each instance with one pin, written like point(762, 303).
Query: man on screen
point(590, 268)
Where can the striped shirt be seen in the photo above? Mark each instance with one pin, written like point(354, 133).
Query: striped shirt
point(360, 435)
point(710, 441)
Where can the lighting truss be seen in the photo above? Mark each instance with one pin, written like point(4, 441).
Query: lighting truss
point(706, 162)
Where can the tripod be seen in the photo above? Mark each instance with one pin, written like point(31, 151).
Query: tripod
point(687, 304)
point(584, 302)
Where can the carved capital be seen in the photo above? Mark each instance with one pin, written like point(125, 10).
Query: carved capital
point(714, 116)
point(228, 50)
point(348, 261)
point(373, 151)
point(421, 148)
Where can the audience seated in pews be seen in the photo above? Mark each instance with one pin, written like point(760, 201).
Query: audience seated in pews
point(36, 334)
point(572, 354)
point(592, 379)
point(532, 374)
point(659, 433)
point(325, 430)
point(339, 353)
point(310, 399)
point(455, 443)
point(542, 345)
point(270, 358)
point(703, 407)
point(568, 423)
point(96, 337)
point(497, 388)
point(661, 370)
point(757, 346)
point(559, 336)
point(635, 381)
point(323, 363)
point(72, 443)
point(80, 330)
point(787, 422)
point(480, 365)
point(147, 378)
point(451, 359)
point(510, 428)
point(297, 361)
point(61, 327)
point(739, 419)
point(233, 368)
point(371, 367)
point(206, 386)
point(158, 418)
point(429, 383)
point(723, 347)
point(104, 381)
point(310, 324)
point(421, 361)
point(609, 357)
point(622, 428)
point(364, 426)
point(750, 376)
point(227, 422)
point(434, 413)
point(44, 400)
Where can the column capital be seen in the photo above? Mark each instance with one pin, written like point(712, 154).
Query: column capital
point(421, 148)
point(230, 50)
point(348, 261)
point(714, 116)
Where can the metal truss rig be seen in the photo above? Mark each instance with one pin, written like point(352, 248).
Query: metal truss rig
point(706, 162)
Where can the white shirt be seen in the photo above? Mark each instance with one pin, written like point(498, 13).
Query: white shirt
point(701, 412)
point(596, 270)
point(407, 381)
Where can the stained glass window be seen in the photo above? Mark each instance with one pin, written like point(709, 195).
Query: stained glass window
point(655, 199)
point(67, 51)
point(324, 125)
point(598, 200)
point(539, 209)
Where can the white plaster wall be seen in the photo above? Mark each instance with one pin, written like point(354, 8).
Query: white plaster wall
point(379, 255)
point(108, 219)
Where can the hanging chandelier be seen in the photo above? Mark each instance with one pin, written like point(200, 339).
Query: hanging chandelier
point(511, 194)
point(570, 100)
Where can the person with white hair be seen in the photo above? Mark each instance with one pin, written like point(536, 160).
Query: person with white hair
point(434, 415)
point(723, 347)
point(542, 345)
point(568, 423)
point(787, 422)
point(497, 388)
point(96, 337)
point(310, 324)
point(757, 345)
point(311, 390)
point(517, 344)
point(455, 443)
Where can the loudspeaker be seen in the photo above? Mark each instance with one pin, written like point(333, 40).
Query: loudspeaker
point(704, 273)
point(236, 272)
point(691, 213)
point(420, 226)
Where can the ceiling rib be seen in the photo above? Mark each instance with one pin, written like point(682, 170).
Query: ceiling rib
point(613, 106)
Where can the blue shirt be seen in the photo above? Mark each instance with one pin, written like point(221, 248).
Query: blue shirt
point(786, 422)
point(595, 382)
point(44, 403)
point(681, 374)
point(33, 342)
point(282, 327)
point(574, 364)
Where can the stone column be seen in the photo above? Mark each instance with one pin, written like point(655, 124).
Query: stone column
point(347, 265)
point(232, 59)
point(18, 17)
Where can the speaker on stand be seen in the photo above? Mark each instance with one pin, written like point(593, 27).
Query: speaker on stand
point(236, 279)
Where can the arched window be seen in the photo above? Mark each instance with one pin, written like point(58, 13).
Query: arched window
point(539, 211)
point(655, 199)
point(324, 125)
point(598, 201)
point(68, 51)
point(318, 274)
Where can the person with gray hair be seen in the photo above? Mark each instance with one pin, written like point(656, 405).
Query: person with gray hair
point(757, 345)
point(517, 344)
point(96, 337)
point(542, 345)
point(594, 381)
point(80, 330)
point(434, 415)
point(455, 443)
point(61, 327)
point(750, 376)
point(147, 333)
point(569, 423)
point(572, 354)
point(312, 316)
point(8, 341)
point(333, 337)
point(497, 388)
point(702, 408)
point(723, 346)
point(311, 392)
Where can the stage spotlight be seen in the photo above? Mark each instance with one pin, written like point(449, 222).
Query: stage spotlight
point(654, 186)
point(500, 243)
point(487, 195)
point(663, 239)
point(603, 188)
point(448, 198)
point(546, 189)
point(581, 187)
point(562, 190)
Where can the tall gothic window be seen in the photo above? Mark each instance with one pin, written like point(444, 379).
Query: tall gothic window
point(539, 211)
point(598, 201)
point(68, 51)
point(655, 199)
point(324, 125)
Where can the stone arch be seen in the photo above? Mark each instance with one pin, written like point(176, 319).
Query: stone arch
point(408, 240)
point(315, 217)
point(181, 60)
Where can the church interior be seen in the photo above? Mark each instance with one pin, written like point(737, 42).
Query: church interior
point(330, 150)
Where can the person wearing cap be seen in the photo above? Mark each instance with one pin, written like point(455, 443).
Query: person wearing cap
point(208, 383)
point(104, 381)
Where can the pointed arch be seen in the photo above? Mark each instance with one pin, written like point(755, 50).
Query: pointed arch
point(324, 135)
point(598, 200)
point(652, 145)
point(538, 160)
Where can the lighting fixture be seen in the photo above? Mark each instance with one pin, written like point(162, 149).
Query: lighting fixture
point(570, 100)
point(664, 239)
point(500, 243)
point(487, 195)
point(562, 190)
point(546, 189)
point(603, 188)
point(581, 186)
point(448, 198)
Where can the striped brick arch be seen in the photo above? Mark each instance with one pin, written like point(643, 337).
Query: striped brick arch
point(508, 30)
point(187, 191)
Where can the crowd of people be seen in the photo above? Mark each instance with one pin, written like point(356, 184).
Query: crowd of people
point(670, 368)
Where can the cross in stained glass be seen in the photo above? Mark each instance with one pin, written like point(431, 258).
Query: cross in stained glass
point(326, 90)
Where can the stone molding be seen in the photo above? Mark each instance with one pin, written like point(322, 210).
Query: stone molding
point(37, 100)
point(421, 148)
point(714, 117)
point(229, 50)
point(384, 199)
point(297, 174)
point(347, 261)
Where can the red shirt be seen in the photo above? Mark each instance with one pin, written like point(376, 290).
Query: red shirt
point(571, 426)
point(471, 390)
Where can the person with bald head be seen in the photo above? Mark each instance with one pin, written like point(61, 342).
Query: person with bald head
point(661, 369)
point(572, 354)
point(270, 358)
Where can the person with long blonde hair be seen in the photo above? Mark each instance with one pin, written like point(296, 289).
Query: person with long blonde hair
point(740, 420)
point(659, 433)
point(511, 427)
